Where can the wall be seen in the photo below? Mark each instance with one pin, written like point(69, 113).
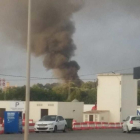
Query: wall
point(71, 110)
point(5, 104)
point(35, 109)
point(108, 95)
point(99, 116)
point(88, 107)
point(129, 96)
point(55, 108)
point(105, 115)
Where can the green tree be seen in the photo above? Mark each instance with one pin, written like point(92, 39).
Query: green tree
point(89, 85)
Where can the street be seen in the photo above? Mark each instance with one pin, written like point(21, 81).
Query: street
point(77, 135)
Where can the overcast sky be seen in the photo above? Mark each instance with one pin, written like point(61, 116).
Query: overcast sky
point(107, 38)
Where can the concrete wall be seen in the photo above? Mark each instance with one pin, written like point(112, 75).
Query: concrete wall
point(5, 104)
point(104, 117)
point(71, 110)
point(97, 117)
point(118, 94)
point(35, 109)
point(65, 109)
point(108, 95)
point(88, 107)
point(129, 96)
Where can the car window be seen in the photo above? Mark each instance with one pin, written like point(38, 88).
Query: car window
point(127, 119)
point(48, 118)
point(57, 119)
point(135, 118)
point(60, 118)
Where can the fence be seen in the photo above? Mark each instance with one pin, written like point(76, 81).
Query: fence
point(96, 125)
point(31, 126)
point(76, 126)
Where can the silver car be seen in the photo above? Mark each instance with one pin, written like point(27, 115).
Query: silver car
point(51, 123)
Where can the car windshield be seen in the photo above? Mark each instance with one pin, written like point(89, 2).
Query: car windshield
point(48, 118)
point(135, 119)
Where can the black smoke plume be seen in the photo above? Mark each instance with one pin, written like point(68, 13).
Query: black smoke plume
point(52, 31)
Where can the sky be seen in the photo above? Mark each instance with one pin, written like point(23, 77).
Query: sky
point(107, 39)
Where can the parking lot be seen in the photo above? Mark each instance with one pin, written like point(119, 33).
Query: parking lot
point(77, 135)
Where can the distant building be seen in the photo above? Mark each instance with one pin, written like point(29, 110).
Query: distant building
point(69, 110)
point(8, 86)
point(117, 93)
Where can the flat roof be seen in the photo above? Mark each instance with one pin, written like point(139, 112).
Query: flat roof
point(38, 101)
point(114, 74)
point(96, 111)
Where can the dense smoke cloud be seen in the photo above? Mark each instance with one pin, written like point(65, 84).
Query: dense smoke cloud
point(52, 31)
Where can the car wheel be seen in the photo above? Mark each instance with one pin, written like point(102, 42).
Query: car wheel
point(55, 129)
point(37, 131)
point(64, 129)
point(128, 131)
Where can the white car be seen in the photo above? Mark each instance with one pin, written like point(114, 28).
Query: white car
point(132, 123)
point(50, 123)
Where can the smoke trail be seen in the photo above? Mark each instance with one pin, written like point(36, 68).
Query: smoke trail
point(52, 30)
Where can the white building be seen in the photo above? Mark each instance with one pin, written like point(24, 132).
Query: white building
point(96, 116)
point(38, 109)
point(117, 94)
point(88, 107)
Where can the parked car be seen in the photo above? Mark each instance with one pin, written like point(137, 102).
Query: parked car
point(51, 123)
point(132, 123)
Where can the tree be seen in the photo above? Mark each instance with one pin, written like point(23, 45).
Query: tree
point(89, 85)
point(61, 90)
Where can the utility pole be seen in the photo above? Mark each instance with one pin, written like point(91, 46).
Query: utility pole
point(27, 103)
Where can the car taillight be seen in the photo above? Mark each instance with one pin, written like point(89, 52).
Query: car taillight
point(131, 122)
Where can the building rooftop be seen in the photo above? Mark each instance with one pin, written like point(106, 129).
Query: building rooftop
point(114, 74)
point(96, 111)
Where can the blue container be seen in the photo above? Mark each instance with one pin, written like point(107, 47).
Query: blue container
point(12, 122)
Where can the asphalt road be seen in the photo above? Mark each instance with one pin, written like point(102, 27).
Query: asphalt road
point(77, 135)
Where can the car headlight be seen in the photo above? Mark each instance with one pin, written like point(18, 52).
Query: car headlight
point(50, 124)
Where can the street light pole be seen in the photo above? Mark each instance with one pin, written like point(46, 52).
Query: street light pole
point(26, 131)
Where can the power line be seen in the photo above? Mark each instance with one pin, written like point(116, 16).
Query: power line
point(17, 76)
point(50, 78)
point(105, 72)
point(43, 79)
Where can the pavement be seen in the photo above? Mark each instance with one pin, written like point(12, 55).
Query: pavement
point(77, 135)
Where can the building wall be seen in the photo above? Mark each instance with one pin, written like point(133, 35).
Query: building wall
point(108, 95)
point(66, 109)
point(6, 105)
point(88, 107)
point(129, 96)
point(97, 117)
point(104, 117)
point(35, 109)
point(71, 110)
